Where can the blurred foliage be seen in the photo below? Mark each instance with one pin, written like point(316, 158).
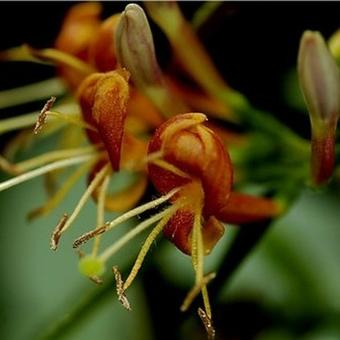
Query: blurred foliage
point(287, 289)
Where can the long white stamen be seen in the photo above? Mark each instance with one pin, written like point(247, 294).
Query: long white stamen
point(146, 246)
point(51, 156)
point(122, 218)
point(29, 93)
point(93, 185)
point(142, 208)
point(100, 212)
point(131, 234)
point(59, 195)
point(44, 169)
point(29, 119)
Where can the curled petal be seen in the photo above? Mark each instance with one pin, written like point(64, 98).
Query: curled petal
point(109, 112)
point(198, 152)
point(179, 228)
point(103, 99)
point(86, 94)
point(178, 231)
point(242, 208)
point(194, 159)
point(212, 231)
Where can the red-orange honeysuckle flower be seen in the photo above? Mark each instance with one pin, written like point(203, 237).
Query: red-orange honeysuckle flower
point(195, 159)
point(193, 172)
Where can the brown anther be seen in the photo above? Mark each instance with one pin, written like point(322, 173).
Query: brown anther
point(119, 288)
point(207, 324)
point(57, 232)
point(43, 115)
point(87, 236)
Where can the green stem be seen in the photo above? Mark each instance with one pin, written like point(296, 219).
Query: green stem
point(263, 121)
point(19, 122)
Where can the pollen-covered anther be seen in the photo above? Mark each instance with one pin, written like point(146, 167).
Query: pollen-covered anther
point(120, 288)
point(43, 115)
point(57, 232)
point(207, 324)
point(89, 235)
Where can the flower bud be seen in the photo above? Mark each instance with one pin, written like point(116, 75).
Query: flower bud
point(135, 47)
point(135, 51)
point(320, 85)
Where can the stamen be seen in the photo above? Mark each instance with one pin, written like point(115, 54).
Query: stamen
point(192, 294)
point(88, 236)
point(197, 253)
point(52, 156)
point(57, 232)
point(140, 163)
point(44, 169)
point(120, 290)
point(19, 122)
point(32, 92)
point(206, 301)
point(122, 218)
point(100, 212)
point(27, 53)
point(93, 185)
point(146, 246)
point(42, 116)
point(184, 124)
point(170, 167)
point(197, 250)
point(110, 251)
point(207, 324)
point(29, 119)
point(74, 119)
point(57, 56)
point(61, 193)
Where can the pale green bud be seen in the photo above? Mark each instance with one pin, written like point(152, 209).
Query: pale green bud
point(320, 85)
point(135, 48)
point(319, 78)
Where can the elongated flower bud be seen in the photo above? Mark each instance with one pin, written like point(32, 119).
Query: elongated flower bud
point(135, 51)
point(320, 85)
point(103, 99)
point(135, 47)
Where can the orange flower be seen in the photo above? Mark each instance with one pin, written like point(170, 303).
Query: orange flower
point(195, 160)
